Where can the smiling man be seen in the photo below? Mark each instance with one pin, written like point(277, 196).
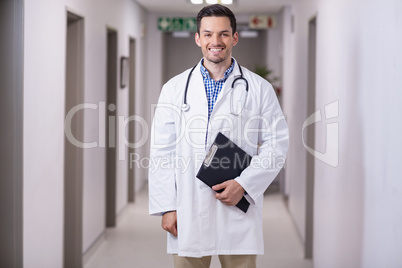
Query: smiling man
point(216, 39)
point(216, 95)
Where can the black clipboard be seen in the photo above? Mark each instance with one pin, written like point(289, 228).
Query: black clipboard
point(224, 161)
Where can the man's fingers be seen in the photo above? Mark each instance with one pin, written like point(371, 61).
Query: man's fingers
point(219, 186)
point(169, 222)
point(171, 229)
point(224, 198)
point(221, 196)
point(174, 231)
point(232, 193)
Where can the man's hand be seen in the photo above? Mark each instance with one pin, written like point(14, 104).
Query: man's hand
point(232, 193)
point(169, 222)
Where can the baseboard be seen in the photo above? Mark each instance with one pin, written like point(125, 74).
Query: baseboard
point(90, 252)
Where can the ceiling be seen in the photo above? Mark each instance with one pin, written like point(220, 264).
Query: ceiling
point(240, 6)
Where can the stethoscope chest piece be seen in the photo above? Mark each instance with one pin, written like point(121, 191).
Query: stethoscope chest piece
point(185, 107)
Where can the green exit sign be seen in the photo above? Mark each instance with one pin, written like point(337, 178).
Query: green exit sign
point(177, 24)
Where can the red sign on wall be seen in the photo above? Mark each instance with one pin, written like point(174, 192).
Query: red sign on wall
point(262, 22)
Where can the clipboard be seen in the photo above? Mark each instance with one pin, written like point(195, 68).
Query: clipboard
point(224, 161)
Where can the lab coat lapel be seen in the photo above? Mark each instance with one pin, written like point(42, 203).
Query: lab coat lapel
point(196, 91)
point(196, 118)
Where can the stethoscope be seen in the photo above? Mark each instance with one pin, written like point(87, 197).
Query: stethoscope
point(185, 106)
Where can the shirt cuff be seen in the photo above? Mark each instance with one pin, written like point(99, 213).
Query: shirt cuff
point(163, 213)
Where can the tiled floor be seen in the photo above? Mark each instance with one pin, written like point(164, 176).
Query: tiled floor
point(138, 241)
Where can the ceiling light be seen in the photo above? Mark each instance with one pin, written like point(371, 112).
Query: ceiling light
point(181, 34)
point(211, 2)
point(248, 34)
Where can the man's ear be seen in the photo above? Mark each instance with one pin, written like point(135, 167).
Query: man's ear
point(235, 38)
point(197, 39)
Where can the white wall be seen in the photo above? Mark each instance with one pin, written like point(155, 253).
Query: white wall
point(274, 48)
point(154, 54)
point(358, 216)
point(287, 72)
point(295, 106)
point(45, 41)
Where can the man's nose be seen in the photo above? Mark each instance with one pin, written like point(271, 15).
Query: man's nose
point(216, 39)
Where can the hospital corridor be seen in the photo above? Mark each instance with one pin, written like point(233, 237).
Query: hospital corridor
point(98, 130)
point(138, 239)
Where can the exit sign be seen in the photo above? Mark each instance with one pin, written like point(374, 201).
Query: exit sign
point(177, 24)
point(262, 22)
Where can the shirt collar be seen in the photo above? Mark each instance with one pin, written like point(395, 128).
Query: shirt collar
point(205, 72)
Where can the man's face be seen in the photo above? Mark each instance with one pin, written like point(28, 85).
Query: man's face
point(216, 39)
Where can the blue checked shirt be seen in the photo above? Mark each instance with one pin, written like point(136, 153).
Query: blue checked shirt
point(212, 87)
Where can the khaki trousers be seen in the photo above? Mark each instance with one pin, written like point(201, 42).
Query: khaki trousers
point(227, 261)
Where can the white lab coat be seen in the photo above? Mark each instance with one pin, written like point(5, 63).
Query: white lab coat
point(178, 146)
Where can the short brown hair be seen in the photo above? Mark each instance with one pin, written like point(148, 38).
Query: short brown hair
point(216, 10)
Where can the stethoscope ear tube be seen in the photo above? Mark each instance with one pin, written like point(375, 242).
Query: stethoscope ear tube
point(185, 107)
point(242, 78)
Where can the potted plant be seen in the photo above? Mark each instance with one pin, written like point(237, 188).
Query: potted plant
point(268, 74)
